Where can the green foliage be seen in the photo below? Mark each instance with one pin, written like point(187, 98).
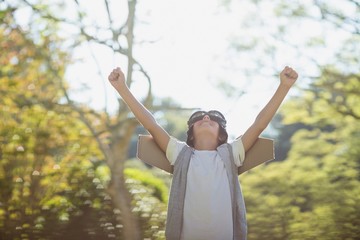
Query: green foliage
point(160, 190)
point(149, 201)
point(48, 186)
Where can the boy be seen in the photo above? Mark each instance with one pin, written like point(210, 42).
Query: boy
point(205, 200)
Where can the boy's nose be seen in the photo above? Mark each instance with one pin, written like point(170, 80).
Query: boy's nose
point(206, 117)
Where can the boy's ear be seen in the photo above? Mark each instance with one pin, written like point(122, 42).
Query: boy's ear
point(222, 138)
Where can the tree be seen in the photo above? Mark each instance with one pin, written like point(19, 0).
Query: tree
point(113, 132)
point(43, 152)
point(52, 172)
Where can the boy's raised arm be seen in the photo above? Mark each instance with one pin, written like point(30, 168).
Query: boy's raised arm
point(288, 76)
point(161, 137)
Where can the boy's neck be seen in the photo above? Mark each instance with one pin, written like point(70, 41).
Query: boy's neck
point(205, 144)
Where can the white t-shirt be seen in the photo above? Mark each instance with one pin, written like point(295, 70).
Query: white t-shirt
point(207, 206)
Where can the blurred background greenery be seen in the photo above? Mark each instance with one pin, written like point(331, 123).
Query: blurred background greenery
point(69, 170)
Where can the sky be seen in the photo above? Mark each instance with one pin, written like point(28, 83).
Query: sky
point(185, 50)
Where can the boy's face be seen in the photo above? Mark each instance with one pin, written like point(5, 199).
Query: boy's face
point(207, 127)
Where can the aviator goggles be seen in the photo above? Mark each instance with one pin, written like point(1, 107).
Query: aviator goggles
point(213, 115)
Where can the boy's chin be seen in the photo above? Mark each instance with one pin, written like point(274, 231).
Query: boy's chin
point(207, 133)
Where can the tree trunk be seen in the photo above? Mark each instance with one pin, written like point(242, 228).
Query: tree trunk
point(118, 191)
point(121, 199)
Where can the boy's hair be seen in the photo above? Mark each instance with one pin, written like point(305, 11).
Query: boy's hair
point(223, 136)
